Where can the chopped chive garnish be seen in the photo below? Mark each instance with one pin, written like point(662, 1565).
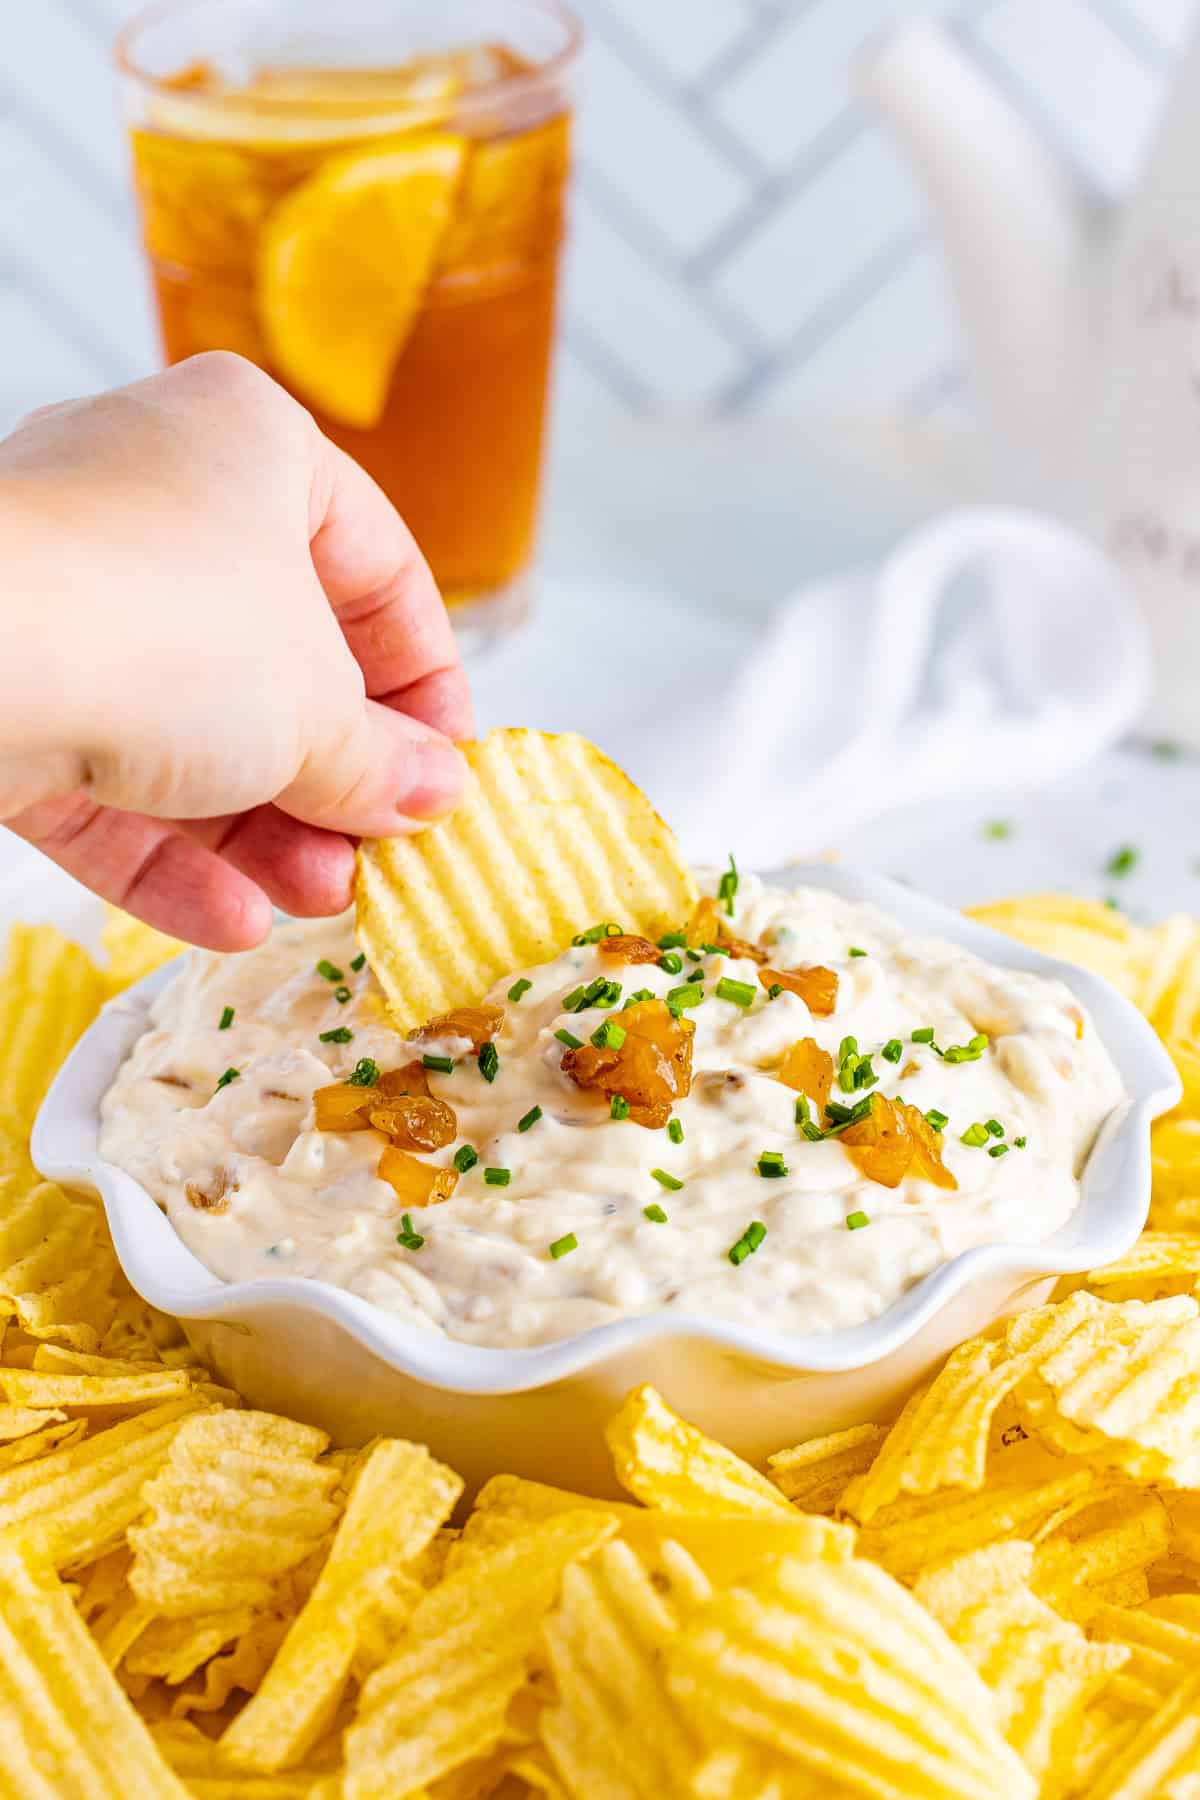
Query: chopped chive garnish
point(856, 1220)
point(406, 1236)
point(1166, 749)
point(227, 1077)
point(226, 1019)
point(594, 933)
point(846, 1074)
point(672, 963)
point(727, 887)
point(924, 1035)
point(618, 1107)
point(771, 1165)
point(998, 1150)
point(847, 1047)
point(573, 1000)
point(609, 1036)
point(364, 1074)
point(968, 1052)
point(748, 1243)
point(329, 970)
point(465, 1157)
point(993, 1127)
point(497, 1177)
point(654, 1213)
point(695, 956)
point(519, 989)
point(975, 1136)
point(637, 995)
point(668, 1181)
point(488, 1061)
point(803, 1110)
point(998, 828)
point(812, 1132)
point(855, 951)
point(673, 940)
point(675, 1131)
point(444, 1065)
point(563, 1246)
point(569, 1039)
point(892, 1051)
point(1020, 1142)
point(341, 1034)
point(341, 995)
point(360, 961)
point(530, 1118)
point(1122, 861)
point(864, 1073)
point(689, 994)
point(739, 992)
point(774, 991)
point(841, 1116)
point(937, 1119)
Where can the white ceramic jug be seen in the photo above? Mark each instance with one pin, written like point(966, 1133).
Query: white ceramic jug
point(1083, 319)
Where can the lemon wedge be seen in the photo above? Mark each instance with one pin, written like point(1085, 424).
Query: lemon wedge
point(344, 261)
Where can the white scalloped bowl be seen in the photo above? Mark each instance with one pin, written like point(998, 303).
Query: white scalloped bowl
point(313, 1351)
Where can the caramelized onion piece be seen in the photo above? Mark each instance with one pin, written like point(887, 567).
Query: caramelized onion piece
point(735, 946)
point(344, 1107)
point(816, 986)
point(479, 1023)
point(416, 1124)
point(707, 926)
point(410, 1082)
point(651, 1070)
point(415, 1183)
point(809, 1070)
point(895, 1140)
point(214, 1198)
point(628, 949)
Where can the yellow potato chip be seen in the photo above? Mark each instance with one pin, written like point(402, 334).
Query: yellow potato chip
point(1163, 1644)
point(240, 1667)
point(605, 1642)
point(33, 1387)
point(50, 991)
point(119, 1626)
point(1161, 1262)
point(836, 1669)
point(1120, 1535)
point(239, 1502)
point(401, 1496)
point(441, 1700)
point(209, 1775)
point(38, 1443)
point(134, 949)
point(1041, 1670)
point(1170, 994)
point(57, 1265)
point(79, 1501)
point(1080, 931)
point(172, 1649)
point(1161, 1761)
point(1122, 1385)
point(551, 838)
point(666, 1463)
point(17, 1172)
point(725, 1546)
point(813, 1475)
point(66, 1728)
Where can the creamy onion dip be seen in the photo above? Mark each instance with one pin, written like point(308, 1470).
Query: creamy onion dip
point(256, 1191)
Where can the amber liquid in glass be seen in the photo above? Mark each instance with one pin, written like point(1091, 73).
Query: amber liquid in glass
point(454, 433)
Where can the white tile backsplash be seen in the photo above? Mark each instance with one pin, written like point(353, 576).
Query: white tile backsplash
point(743, 239)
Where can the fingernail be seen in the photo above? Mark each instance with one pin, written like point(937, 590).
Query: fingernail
point(438, 774)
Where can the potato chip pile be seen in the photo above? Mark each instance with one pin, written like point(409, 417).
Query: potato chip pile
point(994, 1597)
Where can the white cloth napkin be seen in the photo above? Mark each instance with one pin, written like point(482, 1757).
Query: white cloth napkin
point(992, 648)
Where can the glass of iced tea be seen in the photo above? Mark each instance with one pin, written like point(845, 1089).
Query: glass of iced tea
point(366, 198)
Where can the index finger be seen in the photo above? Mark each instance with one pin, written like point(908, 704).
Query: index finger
point(385, 598)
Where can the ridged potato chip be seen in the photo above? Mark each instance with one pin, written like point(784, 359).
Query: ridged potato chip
point(240, 1501)
point(79, 1501)
point(1161, 1761)
point(550, 839)
point(1160, 1263)
point(241, 1667)
point(441, 1700)
point(837, 1671)
point(666, 1463)
point(605, 1641)
point(1088, 1555)
point(66, 1728)
point(1162, 1638)
point(210, 1776)
point(57, 1266)
point(1041, 1670)
point(401, 1496)
point(813, 1475)
point(134, 949)
point(50, 991)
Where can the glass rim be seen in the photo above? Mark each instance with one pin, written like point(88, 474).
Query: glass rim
point(485, 95)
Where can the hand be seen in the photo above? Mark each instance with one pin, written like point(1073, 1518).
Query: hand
point(224, 655)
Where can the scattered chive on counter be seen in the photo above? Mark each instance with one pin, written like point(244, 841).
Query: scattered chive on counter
point(227, 1017)
point(443, 1065)
point(563, 1246)
point(997, 829)
point(1122, 861)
